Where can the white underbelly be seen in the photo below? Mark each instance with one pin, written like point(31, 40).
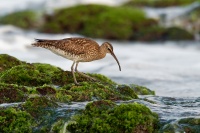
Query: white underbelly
point(67, 55)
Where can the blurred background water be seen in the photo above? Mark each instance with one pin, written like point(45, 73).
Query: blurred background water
point(171, 68)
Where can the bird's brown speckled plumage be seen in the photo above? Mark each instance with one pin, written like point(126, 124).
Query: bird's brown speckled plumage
point(77, 50)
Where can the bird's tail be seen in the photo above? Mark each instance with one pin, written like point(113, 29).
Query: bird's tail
point(42, 43)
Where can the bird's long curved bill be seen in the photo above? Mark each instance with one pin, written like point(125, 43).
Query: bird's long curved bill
point(116, 60)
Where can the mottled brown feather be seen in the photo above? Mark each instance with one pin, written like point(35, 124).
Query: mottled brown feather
point(83, 48)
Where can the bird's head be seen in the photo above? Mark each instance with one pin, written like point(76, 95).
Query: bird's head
point(109, 49)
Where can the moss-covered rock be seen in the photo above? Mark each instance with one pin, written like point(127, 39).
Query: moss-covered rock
point(71, 19)
point(12, 93)
point(153, 33)
point(38, 105)
point(177, 34)
point(24, 75)
point(106, 25)
point(126, 90)
point(190, 125)
point(25, 19)
point(46, 90)
point(7, 61)
point(187, 125)
point(104, 20)
point(141, 90)
point(15, 121)
point(33, 75)
point(105, 116)
point(97, 91)
point(158, 3)
point(43, 87)
point(58, 85)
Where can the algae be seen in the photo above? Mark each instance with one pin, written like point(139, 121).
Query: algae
point(158, 3)
point(24, 19)
point(12, 93)
point(7, 62)
point(105, 116)
point(17, 121)
point(42, 87)
point(141, 90)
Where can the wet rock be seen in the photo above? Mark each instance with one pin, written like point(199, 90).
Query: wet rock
point(25, 19)
point(14, 120)
point(6, 62)
point(105, 116)
point(158, 3)
point(37, 106)
point(104, 18)
point(42, 87)
point(141, 90)
point(12, 93)
point(47, 80)
point(187, 125)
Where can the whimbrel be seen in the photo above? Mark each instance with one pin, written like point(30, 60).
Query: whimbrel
point(77, 50)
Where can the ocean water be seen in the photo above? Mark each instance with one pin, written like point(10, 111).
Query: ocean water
point(169, 68)
point(172, 69)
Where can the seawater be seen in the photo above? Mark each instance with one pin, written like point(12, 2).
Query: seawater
point(169, 68)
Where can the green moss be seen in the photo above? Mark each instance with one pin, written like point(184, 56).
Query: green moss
point(141, 90)
point(24, 75)
point(127, 91)
point(7, 62)
point(46, 90)
point(102, 78)
point(194, 15)
point(57, 127)
point(159, 3)
point(108, 23)
point(71, 19)
point(34, 75)
point(56, 75)
point(191, 125)
point(152, 33)
point(37, 106)
point(63, 96)
point(188, 125)
point(15, 121)
point(85, 19)
point(12, 93)
point(89, 91)
point(25, 19)
point(40, 79)
point(105, 116)
point(177, 34)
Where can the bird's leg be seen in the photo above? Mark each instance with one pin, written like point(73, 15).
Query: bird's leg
point(84, 75)
point(72, 70)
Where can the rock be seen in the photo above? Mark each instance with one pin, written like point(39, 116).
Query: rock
point(43, 89)
point(158, 3)
point(104, 20)
point(10, 93)
point(141, 90)
point(187, 125)
point(6, 62)
point(48, 80)
point(177, 34)
point(14, 120)
point(105, 116)
point(24, 19)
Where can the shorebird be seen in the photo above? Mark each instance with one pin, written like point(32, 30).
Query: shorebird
point(77, 50)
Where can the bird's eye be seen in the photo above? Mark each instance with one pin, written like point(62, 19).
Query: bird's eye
point(108, 48)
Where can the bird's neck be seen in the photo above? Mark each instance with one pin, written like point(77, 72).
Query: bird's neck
point(102, 52)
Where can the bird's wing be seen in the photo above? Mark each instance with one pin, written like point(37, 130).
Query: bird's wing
point(71, 45)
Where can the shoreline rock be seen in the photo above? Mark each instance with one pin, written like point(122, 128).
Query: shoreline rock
point(41, 87)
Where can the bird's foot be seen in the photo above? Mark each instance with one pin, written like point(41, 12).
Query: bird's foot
point(76, 83)
point(88, 77)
